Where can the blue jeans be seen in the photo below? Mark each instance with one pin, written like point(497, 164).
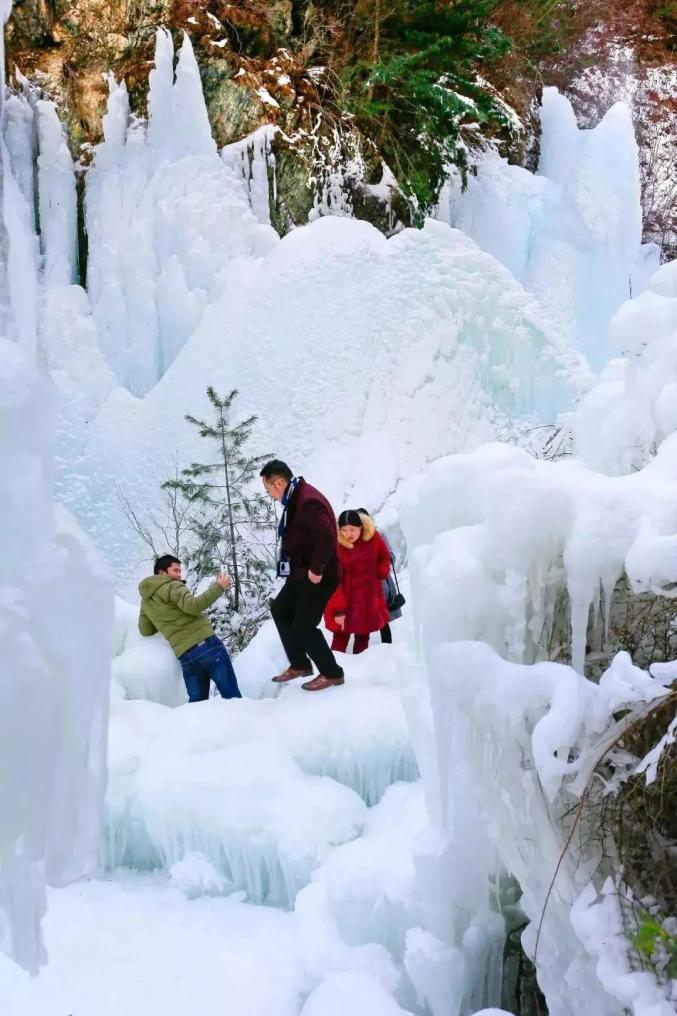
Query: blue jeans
point(205, 662)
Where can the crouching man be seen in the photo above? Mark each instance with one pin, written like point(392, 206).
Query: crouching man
point(168, 607)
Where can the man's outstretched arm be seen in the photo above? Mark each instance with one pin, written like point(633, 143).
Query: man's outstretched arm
point(189, 604)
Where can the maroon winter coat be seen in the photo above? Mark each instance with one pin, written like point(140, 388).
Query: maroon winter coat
point(359, 595)
point(310, 540)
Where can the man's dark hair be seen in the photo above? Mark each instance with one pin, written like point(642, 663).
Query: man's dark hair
point(163, 563)
point(276, 467)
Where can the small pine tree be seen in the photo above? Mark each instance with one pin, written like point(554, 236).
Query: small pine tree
point(231, 526)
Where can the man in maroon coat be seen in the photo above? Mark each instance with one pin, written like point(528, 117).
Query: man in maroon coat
point(309, 562)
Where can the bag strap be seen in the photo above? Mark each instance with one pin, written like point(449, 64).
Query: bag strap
point(394, 570)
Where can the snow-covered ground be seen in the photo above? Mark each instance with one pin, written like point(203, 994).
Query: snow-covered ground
point(374, 820)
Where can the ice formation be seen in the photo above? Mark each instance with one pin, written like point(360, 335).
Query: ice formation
point(494, 537)
point(56, 599)
point(336, 285)
point(621, 422)
point(572, 233)
point(56, 198)
point(133, 944)
point(515, 747)
point(165, 218)
point(261, 790)
point(253, 159)
point(54, 678)
point(144, 668)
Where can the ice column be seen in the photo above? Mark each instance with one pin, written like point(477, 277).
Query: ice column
point(18, 142)
point(55, 608)
point(57, 199)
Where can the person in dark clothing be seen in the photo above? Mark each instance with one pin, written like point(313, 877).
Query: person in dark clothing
point(309, 563)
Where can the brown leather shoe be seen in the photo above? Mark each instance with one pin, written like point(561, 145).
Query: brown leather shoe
point(290, 674)
point(321, 682)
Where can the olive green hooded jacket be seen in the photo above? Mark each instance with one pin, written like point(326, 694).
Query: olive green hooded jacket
point(168, 607)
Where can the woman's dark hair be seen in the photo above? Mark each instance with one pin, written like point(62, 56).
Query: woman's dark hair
point(163, 563)
point(276, 467)
point(349, 517)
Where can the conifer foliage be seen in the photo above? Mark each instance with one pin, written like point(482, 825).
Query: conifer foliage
point(414, 84)
point(232, 527)
point(216, 520)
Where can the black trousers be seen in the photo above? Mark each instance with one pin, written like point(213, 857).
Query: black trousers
point(297, 611)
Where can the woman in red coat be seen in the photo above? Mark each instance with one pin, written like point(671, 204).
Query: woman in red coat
point(358, 606)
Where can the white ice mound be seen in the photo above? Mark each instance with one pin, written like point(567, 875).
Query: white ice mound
point(261, 788)
point(201, 778)
point(143, 667)
point(358, 736)
point(353, 992)
point(437, 330)
point(196, 876)
point(361, 903)
point(56, 631)
point(633, 407)
point(572, 234)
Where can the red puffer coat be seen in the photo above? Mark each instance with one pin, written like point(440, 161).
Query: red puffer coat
point(359, 596)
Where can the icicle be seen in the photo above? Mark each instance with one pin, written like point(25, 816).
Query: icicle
point(115, 124)
point(251, 159)
point(57, 199)
point(20, 137)
point(190, 127)
point(160, 98)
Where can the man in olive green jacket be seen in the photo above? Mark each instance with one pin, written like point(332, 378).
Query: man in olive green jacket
point(171, 609)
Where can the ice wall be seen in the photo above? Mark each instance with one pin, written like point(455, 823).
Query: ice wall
point(55, 625)
point(515, 748)
point(55, 612)
point(495, 539)
point(572, 233)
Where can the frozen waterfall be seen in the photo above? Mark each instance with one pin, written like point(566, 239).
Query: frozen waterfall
point(377, 824)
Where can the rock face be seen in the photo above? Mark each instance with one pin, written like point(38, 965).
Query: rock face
point(256, 62)
point(252, 75)
point(609, 52)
